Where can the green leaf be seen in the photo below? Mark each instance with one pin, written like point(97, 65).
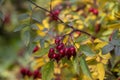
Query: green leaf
point(84, 67)
point(1, 15)
point(115, 42)
point(37, 38)
point(42, 52)
point(76, 65)
point(86, 50)
point(1, 1)
point(42, 42)
point(23, 16)
point(115, 34)
point(107, 48)
point(20, 27)
point(47, 71)
point(117, 50)
point(34, 26)
point(81, 38)
point(26, 37)
point(38, 16)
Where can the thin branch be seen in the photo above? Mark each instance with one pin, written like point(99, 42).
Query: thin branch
point(50, 5)
point(39, 6)
point(76, 30)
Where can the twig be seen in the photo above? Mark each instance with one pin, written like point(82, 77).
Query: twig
point(39, 6)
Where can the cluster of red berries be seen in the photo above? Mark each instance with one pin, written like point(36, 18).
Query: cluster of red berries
point(54, 15)
point(94, 11)
point(61, 51)
point(26, 72)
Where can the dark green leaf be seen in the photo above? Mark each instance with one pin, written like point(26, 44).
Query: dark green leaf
point(107, 48)
point(1, 1)
point(115, 42)
point(47, 71)
point(86, 50)
point(36, 39)
point(115, 34)
point(1, 15)
point(34, 26)
point(26, 37)
point(42, 42)
point(117, 50)
point(84, 67)
point(38, 16)
point(23, 16)
point(20, 27)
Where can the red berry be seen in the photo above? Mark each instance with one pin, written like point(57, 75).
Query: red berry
point(62, 52)
point(36, 74)
point(91, 9)
point(54, 14)
point(23, 71)
point(72, 48)
point(72, 51)
point(56, 57)
point(51, 50)
point(57, 40)
point(60, 46)
point(35, 49)
point(68, 53)
point(66, 50)
point(95, 12)
point(29, 73)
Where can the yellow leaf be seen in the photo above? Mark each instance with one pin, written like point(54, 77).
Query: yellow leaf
point(40, 26)
point(45, 23)
point(77, 45)
point(41, 33)
point(101, 71)
point(97, 41)
point(61, 27)
point(100, 45)
point(88, 41)
point(114, 26)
